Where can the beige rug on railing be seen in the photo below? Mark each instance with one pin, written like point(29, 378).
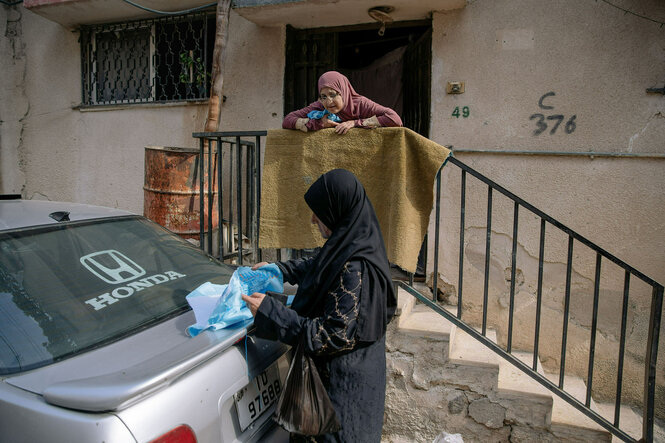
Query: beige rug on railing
point(396, 165)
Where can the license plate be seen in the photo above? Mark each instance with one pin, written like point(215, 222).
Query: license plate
point(257, 397)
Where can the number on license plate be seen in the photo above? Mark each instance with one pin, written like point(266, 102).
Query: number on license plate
point(255, 398)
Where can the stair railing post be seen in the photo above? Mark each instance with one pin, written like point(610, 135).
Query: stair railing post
point(201, 203)
point(566, 312)
point(539, 294)
point(513, 268)
point(435, 276)
point(257, 178)
point(220, 205)
point(594, 328)
point(239, 196)
point(210, 194)
point(650, 363)
point(460, 278)
point(622, 347)
point(488, 240)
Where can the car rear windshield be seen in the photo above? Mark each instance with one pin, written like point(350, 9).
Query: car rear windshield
point(73, 287)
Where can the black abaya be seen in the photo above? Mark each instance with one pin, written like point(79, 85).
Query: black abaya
point(344, 301)
point(353, 373)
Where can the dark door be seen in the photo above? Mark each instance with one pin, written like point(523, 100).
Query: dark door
point(309, 54)
point(417, 84)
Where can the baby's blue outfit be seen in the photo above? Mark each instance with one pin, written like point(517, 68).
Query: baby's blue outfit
point(315, 115)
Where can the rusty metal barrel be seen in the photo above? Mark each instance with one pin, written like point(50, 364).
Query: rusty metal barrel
point(171, 190)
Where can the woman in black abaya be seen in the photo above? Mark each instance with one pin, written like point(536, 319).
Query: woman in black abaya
point(344, 301)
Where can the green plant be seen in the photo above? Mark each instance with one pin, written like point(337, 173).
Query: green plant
point(192, 70)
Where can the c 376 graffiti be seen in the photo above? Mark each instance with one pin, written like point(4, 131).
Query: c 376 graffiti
point(541, 124)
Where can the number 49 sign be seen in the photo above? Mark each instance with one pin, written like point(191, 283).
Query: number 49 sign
point(465, 112)
point(557, 119)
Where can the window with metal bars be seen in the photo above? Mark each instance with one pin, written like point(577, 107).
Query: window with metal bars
point(147, 61)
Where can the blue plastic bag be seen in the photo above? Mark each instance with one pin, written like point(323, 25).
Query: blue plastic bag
point(220, 306)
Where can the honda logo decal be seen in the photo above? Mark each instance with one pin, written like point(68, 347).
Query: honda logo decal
point(112, 266)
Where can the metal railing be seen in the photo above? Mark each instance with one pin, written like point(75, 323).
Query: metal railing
point(243, 189)
point(601, 256)
point(234, 165)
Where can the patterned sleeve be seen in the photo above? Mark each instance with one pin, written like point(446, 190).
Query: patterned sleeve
point(334, 331)
point(294, 270)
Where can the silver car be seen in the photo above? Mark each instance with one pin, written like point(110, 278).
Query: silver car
point(93, 345)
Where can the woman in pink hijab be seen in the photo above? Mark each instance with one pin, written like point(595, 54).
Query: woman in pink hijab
point(340, 107)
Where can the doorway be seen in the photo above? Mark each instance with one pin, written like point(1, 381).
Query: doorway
point(394, 70)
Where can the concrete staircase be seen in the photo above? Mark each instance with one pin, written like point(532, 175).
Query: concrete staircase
point(442, 379)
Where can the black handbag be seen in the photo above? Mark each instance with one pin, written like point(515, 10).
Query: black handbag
point(304, 407)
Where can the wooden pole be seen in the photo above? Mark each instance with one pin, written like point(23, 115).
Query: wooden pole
point(218, 57)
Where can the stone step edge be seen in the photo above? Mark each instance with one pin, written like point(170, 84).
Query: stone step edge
point(422, 321)
point(564, 413)
point(464, 350)
point(629, 421)
point(513, 382)
point(405, 304)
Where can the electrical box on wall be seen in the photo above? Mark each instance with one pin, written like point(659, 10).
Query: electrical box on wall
point(455, 87)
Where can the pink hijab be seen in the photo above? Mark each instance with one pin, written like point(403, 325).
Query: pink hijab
point(341, 84)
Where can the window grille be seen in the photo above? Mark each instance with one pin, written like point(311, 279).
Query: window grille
point(158, 60)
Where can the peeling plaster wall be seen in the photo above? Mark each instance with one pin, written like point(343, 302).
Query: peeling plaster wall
point(96, 156)
point(13, 105)
point(583, 59)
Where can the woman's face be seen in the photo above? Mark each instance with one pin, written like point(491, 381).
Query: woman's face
point(331, 100)
point(323, 229)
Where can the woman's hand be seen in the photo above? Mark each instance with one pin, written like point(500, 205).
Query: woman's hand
point(343, 128)
point(372, 122)
point(327, 123)
point(253, 301)
point(258, 265)
point(301, 124)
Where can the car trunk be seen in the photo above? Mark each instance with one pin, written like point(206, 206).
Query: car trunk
point(100, 380)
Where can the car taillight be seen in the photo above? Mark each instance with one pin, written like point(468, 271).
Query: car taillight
point(181, 434)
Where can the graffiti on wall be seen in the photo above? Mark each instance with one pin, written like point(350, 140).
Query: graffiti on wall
point(551, 121)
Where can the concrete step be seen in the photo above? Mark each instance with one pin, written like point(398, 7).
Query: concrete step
point(405, 303)
point(629, 421)
point(526, 401)
point(466, 350)
point(470, 364)
point(569, 423)
point(423, 321)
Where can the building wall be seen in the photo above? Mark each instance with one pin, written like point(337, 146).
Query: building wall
point(585, 59)
point(51, 149)
point(13, 105)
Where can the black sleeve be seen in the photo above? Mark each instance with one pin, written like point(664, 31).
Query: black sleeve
point(294, 270)
point(332, 332)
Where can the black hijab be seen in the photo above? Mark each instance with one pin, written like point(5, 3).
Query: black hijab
point(339, 200)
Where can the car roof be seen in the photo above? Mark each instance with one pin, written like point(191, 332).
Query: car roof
point(18, 213)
